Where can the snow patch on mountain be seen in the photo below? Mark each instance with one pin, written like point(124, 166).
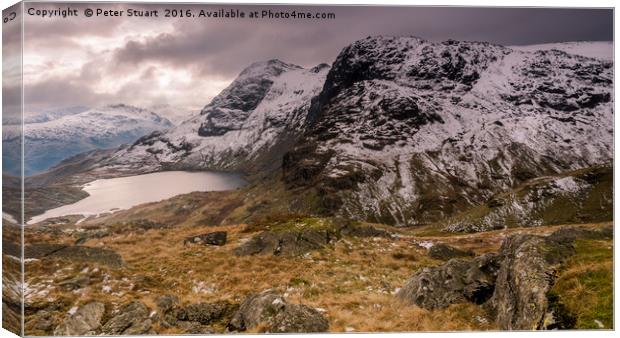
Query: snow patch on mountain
point(603, 50)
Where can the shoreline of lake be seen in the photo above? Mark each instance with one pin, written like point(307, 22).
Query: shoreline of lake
point(122, 193)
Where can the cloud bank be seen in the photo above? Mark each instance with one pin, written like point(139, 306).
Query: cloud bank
point(184, 62)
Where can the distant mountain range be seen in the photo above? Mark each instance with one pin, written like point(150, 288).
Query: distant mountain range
point(54, 136)
point(39, 117)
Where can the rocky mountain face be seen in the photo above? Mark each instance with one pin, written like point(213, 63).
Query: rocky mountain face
point(54, 136)
point(582, 196)
point(407, 132)
point(247, 126)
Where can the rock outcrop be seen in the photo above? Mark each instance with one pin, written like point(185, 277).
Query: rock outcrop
point(513, 285)
point(525, 277)
point(85, 321)
point(276, 315)
point(457, 281)
point(204, 313)
point(267, 311)
point(527, 274)
point(290, 243)
point(199, 318)
point(364, 231)
point(132, 319)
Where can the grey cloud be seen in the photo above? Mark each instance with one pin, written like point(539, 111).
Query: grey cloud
point(224, 47)
point(220, 48)
point(61, 91)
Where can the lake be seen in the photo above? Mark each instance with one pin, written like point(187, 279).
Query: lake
point(114, 194)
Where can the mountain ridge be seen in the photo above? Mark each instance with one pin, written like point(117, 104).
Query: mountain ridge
point(398, 130)
point(52, 140)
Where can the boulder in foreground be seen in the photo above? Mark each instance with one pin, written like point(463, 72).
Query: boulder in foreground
point(85, 321)
point(271, 311)
point(513, 285)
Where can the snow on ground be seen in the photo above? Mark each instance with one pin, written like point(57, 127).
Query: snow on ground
point(603, 50)
point(8, 217)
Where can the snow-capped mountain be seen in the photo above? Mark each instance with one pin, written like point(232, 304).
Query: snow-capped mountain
point(52, 140)
point(248, 125)
point(399, 130)
point(407, 131)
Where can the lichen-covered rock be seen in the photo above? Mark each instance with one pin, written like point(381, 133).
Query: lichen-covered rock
point(285, 243)
point(457, 281)
point(277, 315)
point(299, 319)
point(527, 273)
point(132, 319)
point(85, 321)
point(198, 318)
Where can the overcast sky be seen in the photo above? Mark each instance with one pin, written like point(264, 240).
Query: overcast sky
point(185, 62)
